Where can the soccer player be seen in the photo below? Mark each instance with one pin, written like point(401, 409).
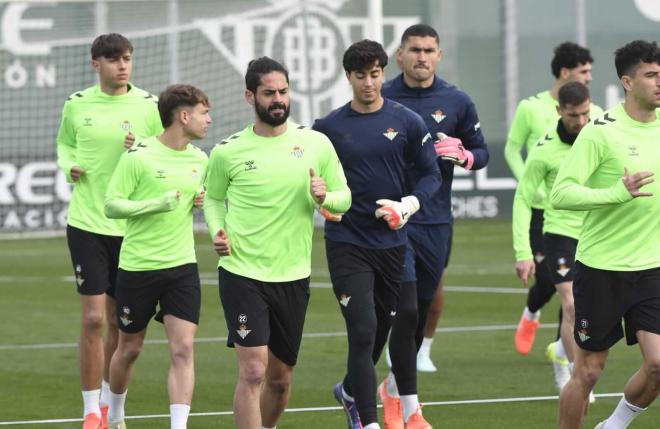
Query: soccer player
point(98, 124)
point(561, 228)
point(263, 185)
point(609, 173)
point(378, 141)
point(155, 186)
point(447, 111)
point(533, 117)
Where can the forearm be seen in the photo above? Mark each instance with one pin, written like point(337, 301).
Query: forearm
point(119, 208)
point(522, 216)
point(65, 160)
point(572, 196)
point(427, 186)
point(513, 157)
point(215, 212)
point(337, 201)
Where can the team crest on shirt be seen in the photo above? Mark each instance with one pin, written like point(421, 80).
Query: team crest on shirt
point(242, 330)
point(390, 133)
point(343, 299)
point(438, 116)
point(126, 126)
point(195, 173)
point(125, 316)
point(632, 151)
point(297, 151)
point(582, 333)
point(563, 268)
point(79, 278)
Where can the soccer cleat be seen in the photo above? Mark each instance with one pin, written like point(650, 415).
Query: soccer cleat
point(424, 362)
point(559, 365)
point(117, 425)
point(392, 411)
point(92, 421)
point(104, 417)
point(417, 421)
point(600, 425)
point(349, 408)
point(525, 334)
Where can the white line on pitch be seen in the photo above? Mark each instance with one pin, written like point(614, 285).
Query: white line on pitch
point(485, 328)
point(312, 409)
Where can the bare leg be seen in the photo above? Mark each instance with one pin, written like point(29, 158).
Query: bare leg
point(90, 345)
point(252, 362)
point(644, 386)
point(123, 360)
point(276, 392)
point(565, 291)
point(112, 334)
point(181, 379)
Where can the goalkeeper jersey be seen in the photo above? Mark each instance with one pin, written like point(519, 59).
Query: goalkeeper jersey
point(541, 169)
point(444, 108)
point(94, 125)
point(533, 117)
point(258, 191)
point(148, 171)
point(620, 233)
point(376, 150)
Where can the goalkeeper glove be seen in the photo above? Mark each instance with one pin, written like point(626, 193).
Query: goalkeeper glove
point(329, 216)
point(451, 149)
point(397, 213)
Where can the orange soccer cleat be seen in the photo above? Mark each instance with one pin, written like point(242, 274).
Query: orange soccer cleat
point(525, 334)
point(392, 412)
point(417, 421)
point(92, 421)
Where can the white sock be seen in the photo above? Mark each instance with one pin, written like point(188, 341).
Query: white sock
point(105, 394)
point(410, 404)
point(116, 410)
point(392, 388)
point(346, 395)
point(560, 351)
point(179, 415)
point(264, 427)
point(91, 402)
point(623, 414)
point(532, 316)
point(425, 348)
point(372, 426)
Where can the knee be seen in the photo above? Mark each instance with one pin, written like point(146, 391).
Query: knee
point(589, 374)
point(92, 322)
point(182, 353)
point(362, 337)
point(128, 351)
point(653, 369)
point(280, 385)
point(406, 315)
point(253, 372)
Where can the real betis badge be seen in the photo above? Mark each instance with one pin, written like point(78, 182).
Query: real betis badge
point(126, 126)
point(438, 116)
point(390, 133)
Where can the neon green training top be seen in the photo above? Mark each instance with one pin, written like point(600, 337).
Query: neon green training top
point(268, 212)
point(541, 169)
point(620, 233)
point(159, 230)
point(534, 116)
point(94, 125)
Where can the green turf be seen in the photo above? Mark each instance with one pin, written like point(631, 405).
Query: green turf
point(40, 307)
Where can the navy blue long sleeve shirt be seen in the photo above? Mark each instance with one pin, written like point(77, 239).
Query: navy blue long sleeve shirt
point(444, 108)
point(376, 150)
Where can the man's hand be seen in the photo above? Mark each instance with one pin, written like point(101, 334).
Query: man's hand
point(199, 200)
point(316, 187)
point(129, 140)
point(332, 217)
point(396, 213)
point(451, 149)
point(525, 270)
point(222, 243)
point(76, 172)
point(171, 200)
point(636, 181)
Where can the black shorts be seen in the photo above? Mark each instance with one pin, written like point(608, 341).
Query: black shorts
point(536, 241)
point(560, 257)
point(362, 278)
point(95, 258)
point(603, 298)
point(175, 290)
point(264, 313)
point(426, 255)
point(450, 243)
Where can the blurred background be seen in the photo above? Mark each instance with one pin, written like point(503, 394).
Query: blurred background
point(498, 51)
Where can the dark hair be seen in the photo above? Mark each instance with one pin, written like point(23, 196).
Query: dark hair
point(176, 96)
point(112, 45)
point(569, 55)
point(573, 93)
point(419, 30)
point(628, 57)
point(259, 67)
point(363, 55)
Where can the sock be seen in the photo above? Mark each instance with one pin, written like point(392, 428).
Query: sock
point(623, 414)
point(410, 404)
point(179, 415)
point(264, 427)
point(372, 426)
point(392, 389)
point(105, 394)
point(346, 395)
point(532, 316)
point(560, 351)
point(116, 410)
point(425, 348)
point(91, 402)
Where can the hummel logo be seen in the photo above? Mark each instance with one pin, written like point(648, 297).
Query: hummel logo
point(88, 122)
point(392, 313)
point(160, 174)
point(390, 133)
point(633, 151)
point(249, 165)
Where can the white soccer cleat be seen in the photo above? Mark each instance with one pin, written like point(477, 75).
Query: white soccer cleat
point(424, 362)
point(592, 399)
point(600, 425)
point(560, 366)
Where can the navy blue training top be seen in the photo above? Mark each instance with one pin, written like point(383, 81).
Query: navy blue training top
point(375, 150)
point(444, 108)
